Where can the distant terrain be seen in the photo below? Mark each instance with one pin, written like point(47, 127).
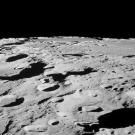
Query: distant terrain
point(67, 86)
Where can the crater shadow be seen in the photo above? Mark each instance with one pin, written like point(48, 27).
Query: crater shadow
point(51, 88)
point(86, 71)
point(77, 55)
point(34, 70)
point(89, 130)
point(17, 57)
point(61, 78)
point(57, 77)
point(16, 103)
point(118, 119)
point(129, 56)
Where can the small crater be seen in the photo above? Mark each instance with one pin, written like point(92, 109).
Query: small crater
point(34, 70)
point(57, 77)
point(44, 100)
point(16, 103)
point(46, 80)
point(108, 87)
point(61, 78)
point(57, 100)
point(89, 129)
point(51, 88)
point(53, 122)
point(17, 57)
point(78, 55)
point(129, 56)
point(121, 89)
point(99, 109)
point(80, 108)
point(84, 72)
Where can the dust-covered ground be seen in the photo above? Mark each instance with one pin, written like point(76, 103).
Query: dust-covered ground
point(67, 86)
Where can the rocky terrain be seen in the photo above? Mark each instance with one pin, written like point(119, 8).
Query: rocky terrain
point(67, 86)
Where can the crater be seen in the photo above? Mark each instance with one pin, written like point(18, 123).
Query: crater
point(17, 57)
point(34, 70)
point(53, 122)
point(61, 78)
point(118, 118)
point(78, 55)
point(129, 56)
point(16, 103)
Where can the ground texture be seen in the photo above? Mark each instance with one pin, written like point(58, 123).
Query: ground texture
point(67, 86)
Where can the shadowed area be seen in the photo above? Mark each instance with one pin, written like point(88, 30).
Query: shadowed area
point(52, 88)
point(16, 103)
point(86, 71)
point(118, 119)
point(17, 57)
point(129, 56)
point(89, 130)
point(34, 70)
point(78, 55)
point(60, 77)
point(7, 127)
point(43, 100)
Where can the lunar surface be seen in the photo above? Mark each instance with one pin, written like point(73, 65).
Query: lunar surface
point(67, 86)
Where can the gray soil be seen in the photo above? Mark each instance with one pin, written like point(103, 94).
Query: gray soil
point(67, 86)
